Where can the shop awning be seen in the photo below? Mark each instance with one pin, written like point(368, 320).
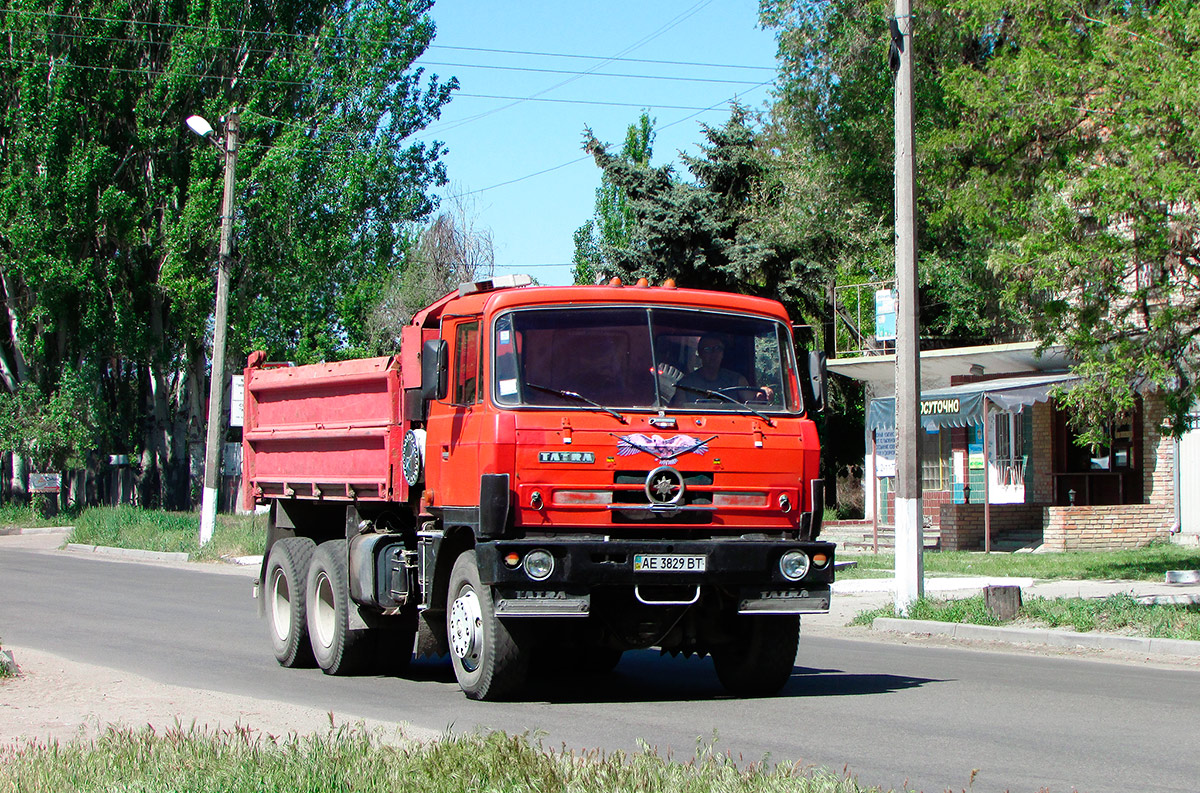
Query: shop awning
point(962, 405)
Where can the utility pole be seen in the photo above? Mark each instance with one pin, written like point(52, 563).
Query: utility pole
point(910, 563)
point(216, 382)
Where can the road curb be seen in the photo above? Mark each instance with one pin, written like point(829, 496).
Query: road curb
point(129, 553)
point(14, 532)
point(1102, 641)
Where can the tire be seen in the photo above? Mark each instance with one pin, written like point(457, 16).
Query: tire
point(760, 662)
point(489, 660)
point(338, 649)
point(287, 620)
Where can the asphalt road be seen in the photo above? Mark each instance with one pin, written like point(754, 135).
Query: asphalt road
point(893, 713)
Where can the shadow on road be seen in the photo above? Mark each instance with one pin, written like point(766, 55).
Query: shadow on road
point(647, 676)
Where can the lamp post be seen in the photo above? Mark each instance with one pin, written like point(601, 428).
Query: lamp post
point(216, 381)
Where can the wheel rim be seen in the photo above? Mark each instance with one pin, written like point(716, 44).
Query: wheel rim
point(466, 625)
point(324, 610)
point(281, 606)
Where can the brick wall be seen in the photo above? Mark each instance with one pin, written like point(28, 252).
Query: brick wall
point(962, 524)
point(1158, 454)
point(1039, 488)
point(1104, 527)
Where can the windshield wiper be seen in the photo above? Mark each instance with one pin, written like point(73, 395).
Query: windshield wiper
point(578, 398)
point(727, 398)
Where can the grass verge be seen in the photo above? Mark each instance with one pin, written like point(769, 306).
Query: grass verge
point(18, 517)
point(153, 530)
point(1141, 564)
point(195, 761)
point(1115, 614)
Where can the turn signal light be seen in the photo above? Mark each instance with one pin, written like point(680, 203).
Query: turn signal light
point(512, 560)
point(820, 559)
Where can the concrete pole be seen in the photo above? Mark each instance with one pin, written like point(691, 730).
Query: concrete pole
point(987, 476)
point(216, 381)
point(910, 563)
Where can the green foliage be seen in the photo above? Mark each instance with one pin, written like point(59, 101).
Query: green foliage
point(1058, 152)
point(612, 225)
point(53, 432)
point(833, 132)
point(235, 761)
point(1076, 152)
point(172, 532)
point(109, 206)
point(702, 234)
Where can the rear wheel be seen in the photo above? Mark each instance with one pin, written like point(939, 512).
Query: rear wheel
point(760, 661)
point(489, 661)
point(287, 576)
point(338, 649)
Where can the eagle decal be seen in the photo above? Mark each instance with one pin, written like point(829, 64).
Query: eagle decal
point(665, 449)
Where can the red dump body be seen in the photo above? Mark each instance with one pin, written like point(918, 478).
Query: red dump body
point(330, 431)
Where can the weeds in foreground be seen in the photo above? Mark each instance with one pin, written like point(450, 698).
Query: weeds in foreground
point(1115, 614)
point(237, 760)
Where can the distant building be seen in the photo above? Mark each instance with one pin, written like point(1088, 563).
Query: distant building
point(999, 464)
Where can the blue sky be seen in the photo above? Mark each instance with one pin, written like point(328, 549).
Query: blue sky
point(495, 141)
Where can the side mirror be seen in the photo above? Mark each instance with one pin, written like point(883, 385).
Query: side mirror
point(817, 379)
point(435, 369)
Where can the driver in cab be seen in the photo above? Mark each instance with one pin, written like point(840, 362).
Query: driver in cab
point(710, 375)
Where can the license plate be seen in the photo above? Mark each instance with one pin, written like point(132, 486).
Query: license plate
point(669, 563)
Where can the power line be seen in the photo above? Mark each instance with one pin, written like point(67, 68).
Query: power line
point(495, 67)
point(239, 49)
point(364, 40)
point(614, 59)
point(588, 157)
point(153, 73)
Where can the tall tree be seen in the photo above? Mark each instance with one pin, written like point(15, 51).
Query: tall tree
point(609, 228)
point(702, 232)
point(1058, 149)
point(451, 251)
point(833, 112)
point(1076, 154)
point(109, 207)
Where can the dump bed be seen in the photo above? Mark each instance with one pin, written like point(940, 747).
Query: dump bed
point(327, 431)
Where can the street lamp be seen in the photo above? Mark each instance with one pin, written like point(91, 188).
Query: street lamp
point(216, 381)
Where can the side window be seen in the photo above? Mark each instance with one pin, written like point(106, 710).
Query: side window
point(466, 363)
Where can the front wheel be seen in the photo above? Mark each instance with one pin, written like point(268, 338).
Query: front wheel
point(338, 649)
point(760, 661)
point(489, 661)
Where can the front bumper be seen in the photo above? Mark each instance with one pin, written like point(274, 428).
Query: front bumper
point(746, 570)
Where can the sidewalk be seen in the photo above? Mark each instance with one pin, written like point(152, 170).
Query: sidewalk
point(853, 596)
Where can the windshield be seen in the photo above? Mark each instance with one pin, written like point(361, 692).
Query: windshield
point(656, 358)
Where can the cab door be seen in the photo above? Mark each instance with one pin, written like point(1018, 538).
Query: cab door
point(453, 428)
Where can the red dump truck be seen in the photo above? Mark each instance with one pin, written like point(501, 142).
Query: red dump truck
point(546, 475)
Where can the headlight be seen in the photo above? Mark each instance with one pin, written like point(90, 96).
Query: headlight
point(794, 565)
point(539, 565)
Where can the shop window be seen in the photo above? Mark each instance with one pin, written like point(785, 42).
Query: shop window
point(935, 460)
point(1009, 431)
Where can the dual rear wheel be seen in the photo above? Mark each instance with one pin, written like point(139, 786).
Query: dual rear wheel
point(311, 618)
